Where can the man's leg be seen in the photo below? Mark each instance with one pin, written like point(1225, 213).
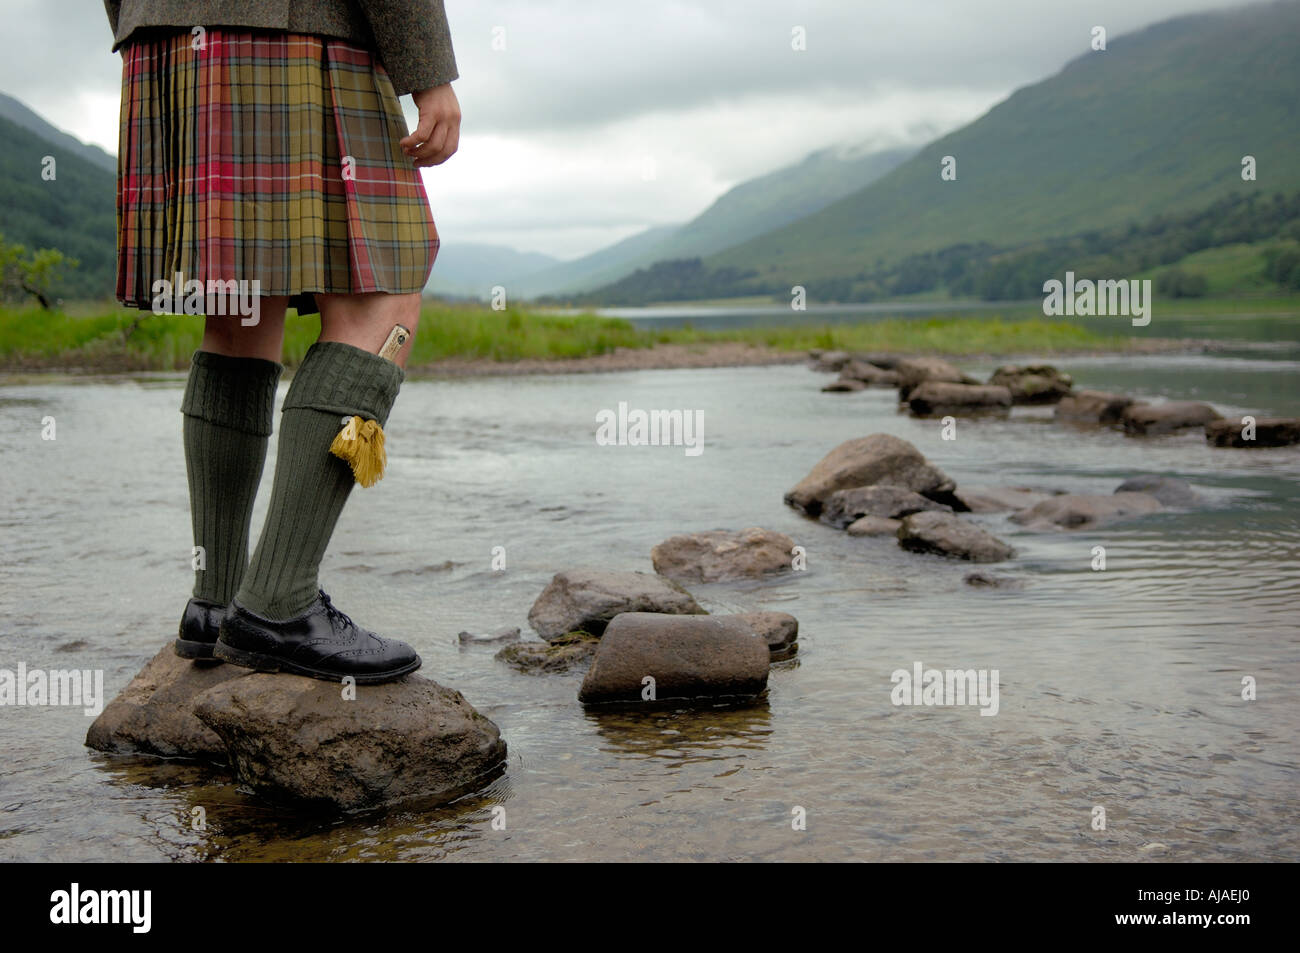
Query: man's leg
point(278, 602)
point(228, 412)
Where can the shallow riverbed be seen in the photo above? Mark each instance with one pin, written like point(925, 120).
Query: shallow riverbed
point(1118, 689)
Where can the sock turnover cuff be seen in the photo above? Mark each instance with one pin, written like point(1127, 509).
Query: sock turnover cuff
point(345, 380)
point(234, 392)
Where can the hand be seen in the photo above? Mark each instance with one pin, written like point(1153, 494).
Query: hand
point(437, 136)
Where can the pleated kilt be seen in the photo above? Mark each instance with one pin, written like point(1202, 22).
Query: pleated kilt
point(265, 156)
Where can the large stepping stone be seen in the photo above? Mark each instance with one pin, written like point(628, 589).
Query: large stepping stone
point(878, 459)
point(304, 739)
point(154, 713)
point(686, 657)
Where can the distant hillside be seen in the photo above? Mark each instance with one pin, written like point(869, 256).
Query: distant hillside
point(74, 213)
point(1156, 124)
point(747, 210)
point(20, 115)
point(469, 269)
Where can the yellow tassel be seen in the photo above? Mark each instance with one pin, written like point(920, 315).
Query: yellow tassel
point(361, 443)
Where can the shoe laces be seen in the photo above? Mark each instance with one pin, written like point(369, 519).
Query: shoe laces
point(333, 611)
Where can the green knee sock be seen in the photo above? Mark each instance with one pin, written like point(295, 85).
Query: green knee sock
point(311, 484)
point(229, 407)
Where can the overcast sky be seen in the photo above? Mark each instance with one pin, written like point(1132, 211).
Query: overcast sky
point(562, 128)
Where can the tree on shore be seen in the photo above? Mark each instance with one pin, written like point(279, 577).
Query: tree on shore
point(26, 273)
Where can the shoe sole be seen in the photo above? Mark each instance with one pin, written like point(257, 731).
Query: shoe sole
point(269, 663)
point(188, 648)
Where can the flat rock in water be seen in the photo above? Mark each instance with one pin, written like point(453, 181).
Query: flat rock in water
point(1033, 383)
point(564, 654)
point(1268, 432)
point(301, 739)
point(878, 459)
point(586, 599)
point(946, 534)
point(873, 526)
point(1093, 407)
point(716, 657)
point(869, 374)
point(1083, 511)
point(913, 371)
point(843, 386)
point(779, 630)
point(938, 399)
point(889, 502)
point(1170, 491)
point(154, 713)
point(1153, 419)
point(718, 555)
point(1000, 499)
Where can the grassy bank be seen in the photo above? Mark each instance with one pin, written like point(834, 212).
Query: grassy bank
point(98, 338)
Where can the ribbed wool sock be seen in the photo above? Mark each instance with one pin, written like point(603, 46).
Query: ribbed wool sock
point(311, 484)
point(229, 407)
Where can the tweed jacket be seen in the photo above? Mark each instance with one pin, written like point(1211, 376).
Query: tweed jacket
point(410, 36)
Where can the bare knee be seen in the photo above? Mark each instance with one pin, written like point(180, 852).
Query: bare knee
point(365, 320)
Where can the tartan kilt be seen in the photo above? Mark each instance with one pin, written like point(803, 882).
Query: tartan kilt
point(265, 156)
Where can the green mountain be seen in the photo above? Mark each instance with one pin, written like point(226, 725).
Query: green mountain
point(74, 212)
point(1158, 123)
point(745, 211)
point(20, 115)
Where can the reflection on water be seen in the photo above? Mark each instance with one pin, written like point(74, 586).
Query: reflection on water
point(1119, 688)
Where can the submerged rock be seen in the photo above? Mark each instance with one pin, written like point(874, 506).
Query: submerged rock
point(563, 654)
point(1093, 407)
point(154, 713)
point(298, 738)
point(509, 633)
point(938, 399)
point(1000, 499)
point(1082, 511)
point(889, 502)
point(878, 459)
point(988, 580)
point(1170, 491)
point(1152, 419)
point(1268, 431)
point(718, 555)
point(1034, 383)
point(586, 599)
point(779, 630)
point(684, 657)
point(947, 534)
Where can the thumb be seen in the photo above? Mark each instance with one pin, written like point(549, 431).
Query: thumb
point(421, 133)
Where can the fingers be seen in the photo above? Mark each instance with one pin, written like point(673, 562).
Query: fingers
point(435, 146)
point(421, 132)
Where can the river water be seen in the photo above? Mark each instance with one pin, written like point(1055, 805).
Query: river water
point(1119, 689)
